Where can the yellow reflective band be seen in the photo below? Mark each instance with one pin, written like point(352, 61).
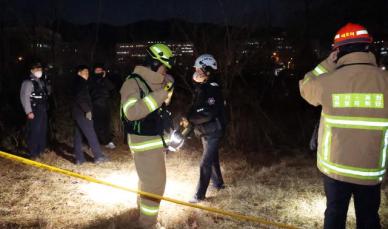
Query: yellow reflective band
point(147, 145)
point(150, 103)
point(306, 80)
point(147, 210)
point(358, 100)
point(355, 172)
point(130, 102)
point(384, 152)
point(319, 70)
point(356, 122)
point(327, 142)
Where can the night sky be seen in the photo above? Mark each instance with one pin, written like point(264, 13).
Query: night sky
point(120, 12)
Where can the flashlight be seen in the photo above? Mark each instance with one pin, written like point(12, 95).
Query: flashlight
point(176, 141)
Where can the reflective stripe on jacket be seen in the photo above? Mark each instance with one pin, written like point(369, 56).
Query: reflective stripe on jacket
point(353, 132)
point(135, 108)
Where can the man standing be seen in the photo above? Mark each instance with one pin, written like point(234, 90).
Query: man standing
point(207, 114)
point(101, 89)
point(82, 114)
point(353, 132)
point(143, 97)
point(33, 96)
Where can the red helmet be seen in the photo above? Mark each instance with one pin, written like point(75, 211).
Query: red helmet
point(351, 34)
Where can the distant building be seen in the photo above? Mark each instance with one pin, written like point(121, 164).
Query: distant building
point(129, 52)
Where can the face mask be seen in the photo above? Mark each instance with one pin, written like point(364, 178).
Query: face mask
point(38, 74)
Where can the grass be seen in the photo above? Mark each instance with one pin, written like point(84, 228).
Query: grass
point(286, 189)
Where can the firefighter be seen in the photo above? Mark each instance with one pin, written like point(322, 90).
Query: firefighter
point(207, 116)
point(143, 98)
point(33, 96)
point(82, 115)
point(353, 132)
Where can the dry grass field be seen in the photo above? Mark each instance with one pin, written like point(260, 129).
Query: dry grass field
point(285, 189)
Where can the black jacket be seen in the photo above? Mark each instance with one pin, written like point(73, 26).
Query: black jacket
point(101, 89)
point(207, 113)
point(81, 97)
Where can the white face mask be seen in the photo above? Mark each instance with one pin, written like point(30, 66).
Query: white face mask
point(38, 74)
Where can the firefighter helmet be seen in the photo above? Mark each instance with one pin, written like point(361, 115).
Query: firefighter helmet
point(161, 53)
point(351, 34)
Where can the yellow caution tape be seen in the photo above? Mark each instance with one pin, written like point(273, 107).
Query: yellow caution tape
point(146, 194)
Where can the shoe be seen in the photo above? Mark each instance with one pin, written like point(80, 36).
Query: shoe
point(110, 145)
point(196, 200)
point(219, 188)
point(101, 160)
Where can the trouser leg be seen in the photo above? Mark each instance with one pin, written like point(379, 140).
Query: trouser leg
point(86, 127)
point(43, 130)
point(366, 203)
point(79, 155)
point(216, 176)
point(102, 123)
point(151, 169)
point(34, 134)
point(210, 148)
point(338, 195)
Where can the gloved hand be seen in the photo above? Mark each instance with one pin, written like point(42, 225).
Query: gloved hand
point(169, 86)
point(184, 122)
point(88, 115)
point(169, 96)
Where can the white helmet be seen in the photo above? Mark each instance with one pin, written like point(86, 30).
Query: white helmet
point(205, 60)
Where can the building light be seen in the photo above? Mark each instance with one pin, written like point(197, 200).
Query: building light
point(20, 58)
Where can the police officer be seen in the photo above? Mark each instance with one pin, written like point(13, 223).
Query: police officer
point(33, 96)
point(82, 114)
point(101, 89)
point(208, 117)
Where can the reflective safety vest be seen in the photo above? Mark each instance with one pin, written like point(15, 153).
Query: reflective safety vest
point(39, 94)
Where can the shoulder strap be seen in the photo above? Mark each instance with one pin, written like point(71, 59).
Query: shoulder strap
point(344, 65)
point(36, 85)
point(138, 78)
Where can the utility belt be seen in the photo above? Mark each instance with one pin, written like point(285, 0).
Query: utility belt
point(212, 127)
point(38, 100)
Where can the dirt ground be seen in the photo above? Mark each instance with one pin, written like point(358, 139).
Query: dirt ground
point(285, 189)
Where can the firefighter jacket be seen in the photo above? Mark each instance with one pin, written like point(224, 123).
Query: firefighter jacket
point(207, 112)
point(353, 132)
point(33, 93)
point(135, 107)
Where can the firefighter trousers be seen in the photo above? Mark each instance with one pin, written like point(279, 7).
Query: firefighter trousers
point(366, 203)
point(151, 169)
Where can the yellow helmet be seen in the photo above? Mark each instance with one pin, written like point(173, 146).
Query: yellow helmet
point(161, 53)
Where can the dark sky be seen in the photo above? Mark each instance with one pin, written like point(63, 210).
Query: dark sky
point(120, 12)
